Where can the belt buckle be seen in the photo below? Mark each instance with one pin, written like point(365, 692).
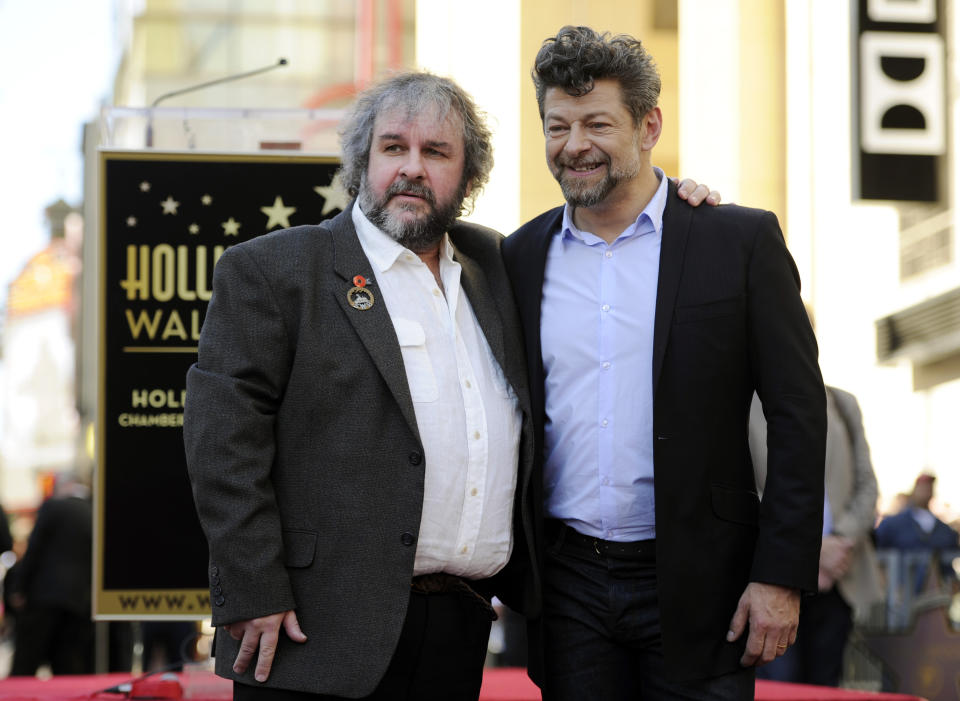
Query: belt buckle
point(596, 547)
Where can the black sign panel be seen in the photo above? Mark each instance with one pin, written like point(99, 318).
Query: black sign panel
point(900, 110)
point(165, 221)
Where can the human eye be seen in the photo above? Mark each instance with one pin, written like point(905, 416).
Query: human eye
point(556, 129)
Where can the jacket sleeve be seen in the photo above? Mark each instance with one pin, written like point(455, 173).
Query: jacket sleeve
point(783, 357)
point(859, 513)
point(233, 393)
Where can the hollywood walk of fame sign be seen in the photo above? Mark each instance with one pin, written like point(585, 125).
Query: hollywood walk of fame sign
point(165, 220)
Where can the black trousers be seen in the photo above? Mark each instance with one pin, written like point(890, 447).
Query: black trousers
point(62, 638)
point(440, 655)
point(601, 628)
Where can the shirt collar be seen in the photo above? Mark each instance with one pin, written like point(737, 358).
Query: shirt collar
point(382, 250)
point(649, 221)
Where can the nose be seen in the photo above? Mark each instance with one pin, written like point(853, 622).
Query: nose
point(577, 141)
point(412, 166)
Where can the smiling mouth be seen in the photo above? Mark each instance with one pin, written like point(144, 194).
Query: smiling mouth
point(583, 169)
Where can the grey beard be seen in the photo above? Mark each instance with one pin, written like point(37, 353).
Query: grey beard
point(590, 197)
point(420, 234)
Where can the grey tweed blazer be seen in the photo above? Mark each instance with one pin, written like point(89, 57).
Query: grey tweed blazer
point(304, 455)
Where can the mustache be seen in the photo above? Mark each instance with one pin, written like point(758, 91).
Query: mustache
point(565, 162)
point(409, 187)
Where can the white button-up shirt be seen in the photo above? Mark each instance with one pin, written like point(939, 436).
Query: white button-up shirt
point(467, 414)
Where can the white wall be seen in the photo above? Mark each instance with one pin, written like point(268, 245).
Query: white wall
point(447, 45)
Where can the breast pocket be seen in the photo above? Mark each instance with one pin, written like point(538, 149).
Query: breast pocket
point(688, 313)
point(416, 360)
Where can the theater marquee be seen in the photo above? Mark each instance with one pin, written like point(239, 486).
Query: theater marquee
point(165, 219)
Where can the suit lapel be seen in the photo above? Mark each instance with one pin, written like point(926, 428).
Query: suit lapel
point(673, 244)
point(478, 291)
point(372, 325)
point(530, 300)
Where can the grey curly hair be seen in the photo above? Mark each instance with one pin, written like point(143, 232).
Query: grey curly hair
point(578, 56)
point(414, 91)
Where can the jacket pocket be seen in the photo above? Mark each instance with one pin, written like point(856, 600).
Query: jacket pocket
point(736, 505)
point(299, 548)
point(709, 310)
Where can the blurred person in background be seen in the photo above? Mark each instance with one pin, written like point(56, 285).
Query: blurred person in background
point(917, 529)
point(849, 577)
point(51, 590)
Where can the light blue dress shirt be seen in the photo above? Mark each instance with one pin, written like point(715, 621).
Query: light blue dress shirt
point(596, 327)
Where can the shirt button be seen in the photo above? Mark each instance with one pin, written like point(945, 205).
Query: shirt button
point(605, 307)
point(467, 383)
point(436, 292)
point(608, 254)
point(463, 550)
point(407, 538)
point(605, 481)
point(606, 366)
point(473, 492)
point(415, 458)
point(476, 435)
point(604, 423)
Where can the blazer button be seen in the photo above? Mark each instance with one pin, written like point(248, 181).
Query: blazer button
point(415, 458)
point(217, 591)
point(214, 570)
point(215, 580)
point(407, 539)
point(219, 601)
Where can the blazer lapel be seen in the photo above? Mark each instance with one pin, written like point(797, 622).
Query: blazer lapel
point(373, 325)
point(477, 289)
point(530, 302)
point(673, 244)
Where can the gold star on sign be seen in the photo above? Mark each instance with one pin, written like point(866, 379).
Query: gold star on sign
point(278, 214)
point(194, 228)
point(231, 227)
point(144, 186)
point(169, 205)
point(334, 197)
point(206, 200)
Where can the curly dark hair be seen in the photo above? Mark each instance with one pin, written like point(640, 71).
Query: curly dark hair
point(414, 91)
point(578, 56)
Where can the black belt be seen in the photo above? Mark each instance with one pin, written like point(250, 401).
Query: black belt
point(443, 583)
point(561, 534)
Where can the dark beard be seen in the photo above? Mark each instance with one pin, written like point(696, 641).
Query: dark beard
point(421, 234)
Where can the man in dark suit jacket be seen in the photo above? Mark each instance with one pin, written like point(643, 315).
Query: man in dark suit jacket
point(50, 586)
point(355, 421)
point(648, 327)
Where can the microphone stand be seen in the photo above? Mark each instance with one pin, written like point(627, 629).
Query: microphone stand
point(174, 93)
